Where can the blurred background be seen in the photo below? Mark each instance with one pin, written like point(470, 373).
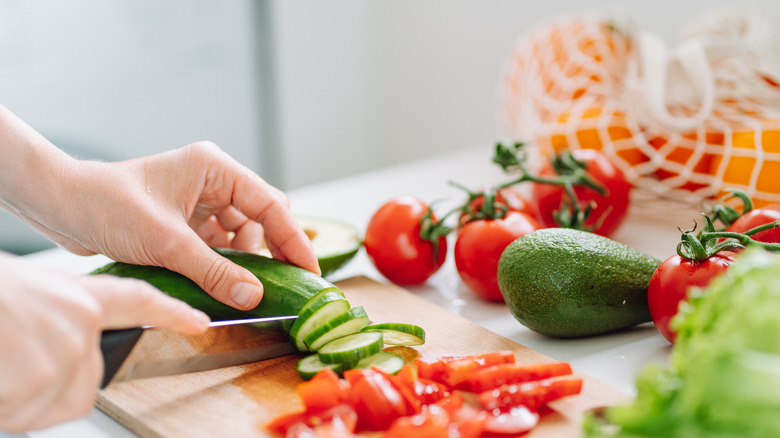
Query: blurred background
point(299, 91)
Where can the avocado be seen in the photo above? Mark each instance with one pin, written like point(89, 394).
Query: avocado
point(568, 283)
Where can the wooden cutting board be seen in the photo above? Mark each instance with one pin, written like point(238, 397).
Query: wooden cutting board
point(239, 401)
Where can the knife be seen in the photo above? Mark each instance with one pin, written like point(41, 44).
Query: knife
point(164, 353)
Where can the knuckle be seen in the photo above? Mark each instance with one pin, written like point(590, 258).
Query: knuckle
point(217, 275)
point(203, 148)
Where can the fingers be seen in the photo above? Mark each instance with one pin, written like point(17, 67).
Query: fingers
point(134, 303)
point(248, 234)
point(265, 204)
point(218, 276)
point(213, 234)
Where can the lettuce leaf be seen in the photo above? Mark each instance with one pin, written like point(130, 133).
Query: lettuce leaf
point(723, 377)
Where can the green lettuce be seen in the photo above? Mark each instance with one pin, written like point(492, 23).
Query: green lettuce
point(723, 376)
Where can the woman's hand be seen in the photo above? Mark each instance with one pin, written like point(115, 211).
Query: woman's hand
point(164, 210)
point(168, 209)
point(51, 324)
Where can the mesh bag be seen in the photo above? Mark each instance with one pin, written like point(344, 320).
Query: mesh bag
point(684, 123)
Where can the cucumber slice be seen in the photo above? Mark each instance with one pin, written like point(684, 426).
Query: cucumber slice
point(311, 365)
point(348, 350)
point(384, 360)
point(323, 307)
point(347, 323)
point(315, 300)
point(405, 335)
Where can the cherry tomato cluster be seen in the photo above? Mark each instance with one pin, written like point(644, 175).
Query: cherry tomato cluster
point(701, 257)
point(469, 397)
point(580, 189)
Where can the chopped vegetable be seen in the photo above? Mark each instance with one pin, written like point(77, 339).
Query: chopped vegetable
point(406, 404)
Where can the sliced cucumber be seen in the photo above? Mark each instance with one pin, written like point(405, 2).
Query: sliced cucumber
point(399, 334)
point(315, 300)
point(347, 323)
point(384, 360)
point(322, 308)
point(348, 350)
point(311, 365)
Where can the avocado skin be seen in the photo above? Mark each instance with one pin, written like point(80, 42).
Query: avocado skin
point(567, 283)
point(286, 287)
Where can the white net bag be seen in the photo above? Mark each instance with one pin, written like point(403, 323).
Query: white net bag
point(685, 123)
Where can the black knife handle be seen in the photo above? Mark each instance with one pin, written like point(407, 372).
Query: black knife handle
point(116, 346)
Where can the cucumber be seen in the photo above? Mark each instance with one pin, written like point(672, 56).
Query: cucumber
point(349, 350)
point(406, 335)
point(319, 311)
point(311, 365)
point(344, 324)
point(287, 287)
point(384, 360)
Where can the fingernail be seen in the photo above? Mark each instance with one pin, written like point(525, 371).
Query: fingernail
point(243, 294)
point(201, 318)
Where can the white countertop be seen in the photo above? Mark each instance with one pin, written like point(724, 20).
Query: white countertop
point(613, 358)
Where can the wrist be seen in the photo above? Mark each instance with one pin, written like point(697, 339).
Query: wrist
point(34, 174)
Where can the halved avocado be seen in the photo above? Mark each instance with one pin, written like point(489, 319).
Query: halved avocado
point(335, 243)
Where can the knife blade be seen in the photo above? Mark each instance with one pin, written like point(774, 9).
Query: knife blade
point(163, 353)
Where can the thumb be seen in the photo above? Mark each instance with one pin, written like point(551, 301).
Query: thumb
point(128, 302)
point(218, 276)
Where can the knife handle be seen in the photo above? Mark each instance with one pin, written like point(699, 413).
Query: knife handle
point(116, 346)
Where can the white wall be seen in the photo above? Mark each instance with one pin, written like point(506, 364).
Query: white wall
point(363, 84)
point(115, 79)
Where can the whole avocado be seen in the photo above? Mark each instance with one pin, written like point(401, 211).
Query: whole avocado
point(563, 282)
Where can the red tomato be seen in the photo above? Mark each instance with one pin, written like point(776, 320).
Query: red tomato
point(394, 245)
point(343, 415)
point(514, 421)
point(377, 401)
point(323, 391)
point(454, 371)
point(509, 373)
point(532, 395)
point(431, 423)
point(757, 217)
point(512, 199)
point(671, 282)
point(479, 246)
point(611, 209)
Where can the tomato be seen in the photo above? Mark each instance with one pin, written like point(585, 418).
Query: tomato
point(323, 391)
point(343, 415)
point(671, 281)
point(394, 245)
point(610, 209)
point(454, 371)
point(377, 401)
point(514, 421)
point(533, 395)
point(504, 374)
point(479, 246)
point(758, 217)
point(507, 197)
point(431, 423)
